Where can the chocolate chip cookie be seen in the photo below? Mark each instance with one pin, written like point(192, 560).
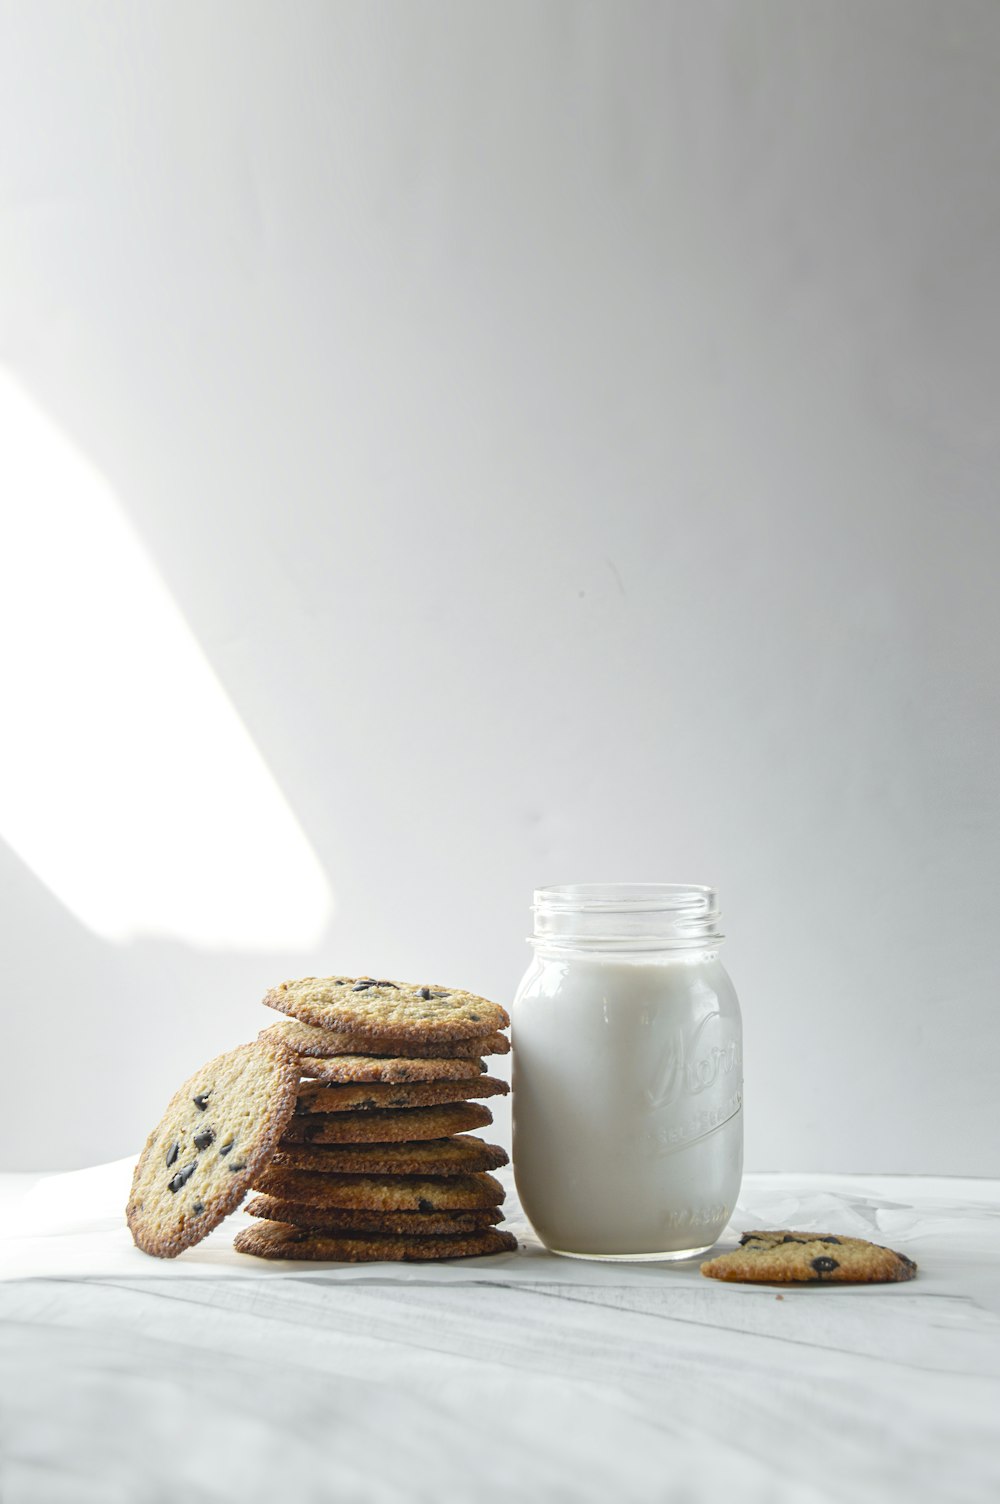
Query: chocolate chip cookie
point(218, 1132)
point(378, 1009)
point(379, 1096)
point(334, 1220)
point(394, 1126)
point(279, 1240)
point(809, 1258)
point(460, 1155)
point(308, 1039)
point(382, 1193)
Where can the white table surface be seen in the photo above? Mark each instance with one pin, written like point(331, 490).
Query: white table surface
point(212, 1377)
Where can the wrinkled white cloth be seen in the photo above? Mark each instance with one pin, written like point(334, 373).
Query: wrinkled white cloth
point(213, 1377)
point(72, 1226)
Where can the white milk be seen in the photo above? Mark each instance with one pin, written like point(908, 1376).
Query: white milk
point(627, 1101)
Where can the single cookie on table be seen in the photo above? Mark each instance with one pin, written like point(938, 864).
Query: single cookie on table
point(279, 1240)
point(382, 1193)
point(396, 1126)
point(809, 1258)
point(380, 1096)
point(333, 1220)
point(461, 1155)
point(387, 1010)
point(308, 1039)
point(219, 1131)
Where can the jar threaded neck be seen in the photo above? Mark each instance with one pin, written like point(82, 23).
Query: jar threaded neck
point(627, 917)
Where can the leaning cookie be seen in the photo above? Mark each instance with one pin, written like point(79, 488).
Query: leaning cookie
point(809, 1258)
point(387, 1010)
point(218, 1132)
point(309, 1039)
point(279, 1240)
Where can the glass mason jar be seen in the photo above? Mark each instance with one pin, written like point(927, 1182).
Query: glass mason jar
point(628, 1073)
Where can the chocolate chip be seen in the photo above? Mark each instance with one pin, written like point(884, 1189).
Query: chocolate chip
point(172, 1155)
point(241, 1166)
point(370, 1102)
point(827, 1240)
point(201, 1101)
point(362, 986)
point(387, 984)
point(823, 1265)
point(204, 1138)
point(225, 1148)
point(474, 1016)
point(183, 1176)
point(425, 993)
point(198, 1208)
point(423, 1205)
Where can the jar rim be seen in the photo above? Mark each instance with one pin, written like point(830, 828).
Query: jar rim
point(612, 897)
point(627, 916)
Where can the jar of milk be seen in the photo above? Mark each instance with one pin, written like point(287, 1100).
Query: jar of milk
point(628, 1073)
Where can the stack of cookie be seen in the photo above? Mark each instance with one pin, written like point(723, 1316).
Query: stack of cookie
point(377, 1160)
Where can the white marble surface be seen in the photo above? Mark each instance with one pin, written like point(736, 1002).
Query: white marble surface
point(545, 1378)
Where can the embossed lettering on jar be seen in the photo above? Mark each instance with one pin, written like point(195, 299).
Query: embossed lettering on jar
point(628, 1073)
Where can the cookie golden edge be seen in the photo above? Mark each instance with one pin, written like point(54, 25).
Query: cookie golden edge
point(377, 1009)
point(770, 1258)
point(403, 1193)
point(459, 1154)
point(321, 1042)
point(330, 1097)
point(344, 1223)
point(391, 1125)
point(283, 1240)
point(282, 1106)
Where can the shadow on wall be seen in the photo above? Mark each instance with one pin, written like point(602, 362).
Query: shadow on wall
point(150, 853)
point(96, 1037)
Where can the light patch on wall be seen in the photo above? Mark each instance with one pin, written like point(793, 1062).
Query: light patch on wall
point(128, 783)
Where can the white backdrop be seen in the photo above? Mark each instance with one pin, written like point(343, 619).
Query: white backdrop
point(447, 448)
